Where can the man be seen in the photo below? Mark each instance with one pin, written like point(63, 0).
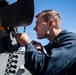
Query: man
point(61, 51)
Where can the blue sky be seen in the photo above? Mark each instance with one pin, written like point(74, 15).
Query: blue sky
point(66, 9)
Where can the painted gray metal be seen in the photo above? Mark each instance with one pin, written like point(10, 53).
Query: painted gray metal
point(13, 63)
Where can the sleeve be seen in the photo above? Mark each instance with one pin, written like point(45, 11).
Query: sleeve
point(34, 60)
point(50, 64)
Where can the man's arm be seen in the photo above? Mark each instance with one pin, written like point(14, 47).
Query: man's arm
point(57, 61)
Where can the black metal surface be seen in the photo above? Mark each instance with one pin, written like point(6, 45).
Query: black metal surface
point(19, 13)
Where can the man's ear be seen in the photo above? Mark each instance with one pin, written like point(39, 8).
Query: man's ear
point(50, 22)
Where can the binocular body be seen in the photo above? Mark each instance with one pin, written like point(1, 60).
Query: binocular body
point(19, 13)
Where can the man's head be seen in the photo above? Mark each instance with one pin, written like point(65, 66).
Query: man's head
point(47, 24)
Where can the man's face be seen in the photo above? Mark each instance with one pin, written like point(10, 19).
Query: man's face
point(41, 27)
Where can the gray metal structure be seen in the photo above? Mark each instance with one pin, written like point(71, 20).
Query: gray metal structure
point(13, 63)
point(12, 59)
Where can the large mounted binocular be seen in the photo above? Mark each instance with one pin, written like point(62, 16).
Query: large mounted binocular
point(19, 13)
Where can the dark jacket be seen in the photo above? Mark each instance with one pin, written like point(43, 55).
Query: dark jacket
point(60, 56)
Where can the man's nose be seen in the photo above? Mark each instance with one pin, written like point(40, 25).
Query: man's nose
point(35, 28)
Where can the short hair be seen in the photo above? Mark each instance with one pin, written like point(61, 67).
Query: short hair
point(50, 14)
point(47, 14)
point(3, 3)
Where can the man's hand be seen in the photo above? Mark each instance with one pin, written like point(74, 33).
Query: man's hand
point(37, 45)
point(22, 38)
